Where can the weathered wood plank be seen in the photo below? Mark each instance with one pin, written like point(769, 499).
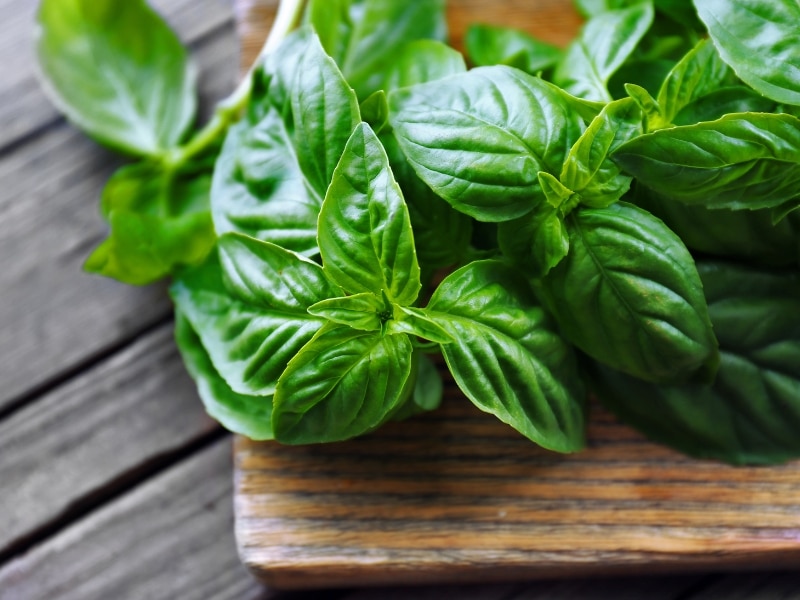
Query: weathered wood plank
point(53, 316)
point(170, 538)
point(87, 436)
point(23, 106)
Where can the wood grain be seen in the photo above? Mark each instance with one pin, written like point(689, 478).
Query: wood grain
point(94, 433)
point(54, 317)
point(170, 538)
point(458, 496)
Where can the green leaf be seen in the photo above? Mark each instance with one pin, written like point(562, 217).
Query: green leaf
point(159, 221)
point(741, 161)
point(344, 383)
point(417, 322)
point(480, 139)
point(489, 45)
point(268, 276)
point(507, 357)
point(629, 296)
point(752, 413)
point(276, 165)
point(366, 36)
point(132, 92)
point(375, 111)
point(441, 233)
point(746, 235)
point(588, 169)
point(604, 43)
point(758, 38)
point(697, 74)
point(365, 235)
point(249, 344)
point(360, 311)
point(250, 416)
point(429, 389)
point(422, 61)
point(726, 100)
point(536, 242)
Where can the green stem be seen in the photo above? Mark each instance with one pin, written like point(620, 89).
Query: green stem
point(230, 109)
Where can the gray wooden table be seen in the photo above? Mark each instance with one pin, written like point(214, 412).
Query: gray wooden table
point(114, 484)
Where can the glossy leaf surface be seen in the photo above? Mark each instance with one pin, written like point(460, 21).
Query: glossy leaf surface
point(344, 383)
point(629, 296)
point(480, 139)
point(365, 235)
point(507, 357)
point(489, 45)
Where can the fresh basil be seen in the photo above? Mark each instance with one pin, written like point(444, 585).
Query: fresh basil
point(489, 45)
point(758, 38)
point(506, 355)
point(752, 412)
point(629, 296)
point(117, 71)
point(480, 139)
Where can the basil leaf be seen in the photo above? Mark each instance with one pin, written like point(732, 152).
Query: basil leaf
point(159, 222)
point(741, 161)
point(359, 311)
point(753, 36)
point(480, 139)
point(429, 390)
point(746, 235)
point(344, 383)
point(718, 103)
point(697, 74)
point(417, 322)
point(132, 94)
point(536, 242)
point(489, 45)
point(604, 43)
point(250, 416)
point(249, 344)
point(375, 111)
point(752, 413)
point(629, 296)
point(365, 235)
point(268, 276)
point(422, 61)
point(365, 36)
point(276, 165)
point(441, 233)
point(588, 169)
point(507, 357)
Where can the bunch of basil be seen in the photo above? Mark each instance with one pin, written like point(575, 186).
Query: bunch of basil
point(618, 215)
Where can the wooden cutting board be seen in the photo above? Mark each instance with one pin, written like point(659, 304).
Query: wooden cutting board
point(456, 496)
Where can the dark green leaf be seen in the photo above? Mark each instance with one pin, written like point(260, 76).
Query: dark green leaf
point(366, 36)
point(507, 357)
point(536, 242)
point(417, 322)
point(249, 345)
point(628, 295)
point(758, 38)
point(480, 139)
point(344, 383)
point(250, 416)
point(717, 104)
point(118, 72)
point(375, 111)
point(741, 161)
point(275, 167)
point(746, 235)
point(365, 235)
point(752, 413)
point(605, 42)
point(489, 45)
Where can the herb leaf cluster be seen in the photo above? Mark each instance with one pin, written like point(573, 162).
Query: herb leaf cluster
point(617, 216)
